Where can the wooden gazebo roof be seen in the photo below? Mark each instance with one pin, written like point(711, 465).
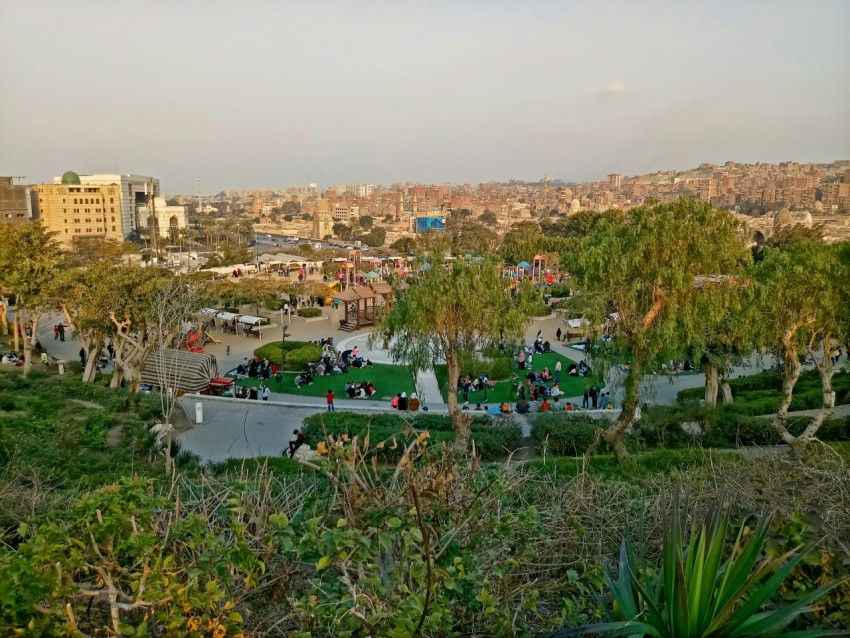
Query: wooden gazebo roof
point(382, 288)
point(355, 294)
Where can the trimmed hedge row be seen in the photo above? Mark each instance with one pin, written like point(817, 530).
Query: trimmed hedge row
point(761, 393)
point(661, 426)
point(299, 354)
point(309, 312)
point(566, 434)
point(494, 436)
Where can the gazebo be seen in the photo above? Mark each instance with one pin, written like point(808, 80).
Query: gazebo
point(360, 308)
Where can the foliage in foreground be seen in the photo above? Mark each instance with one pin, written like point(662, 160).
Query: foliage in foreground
point(494, 437)
point(695, 594)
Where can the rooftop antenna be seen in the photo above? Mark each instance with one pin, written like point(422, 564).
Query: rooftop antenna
point(200, 204)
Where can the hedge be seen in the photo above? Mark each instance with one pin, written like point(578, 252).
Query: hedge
point(309, 312)
point(566, 434)
point(761, 393)
point(661, 426)
point(494, 436)
point(299, 354)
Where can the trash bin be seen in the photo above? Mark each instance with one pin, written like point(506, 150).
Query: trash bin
point(61, 363)
point(199, 413)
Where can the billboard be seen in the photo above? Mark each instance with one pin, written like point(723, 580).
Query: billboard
point(424, 224)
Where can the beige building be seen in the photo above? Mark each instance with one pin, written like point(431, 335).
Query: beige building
point(323, 222)
point(77, 212)
point(169, 219)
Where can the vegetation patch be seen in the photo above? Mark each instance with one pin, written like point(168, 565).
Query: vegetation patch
point(494, 437)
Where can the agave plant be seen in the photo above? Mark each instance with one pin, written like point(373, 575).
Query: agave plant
point(695, 594)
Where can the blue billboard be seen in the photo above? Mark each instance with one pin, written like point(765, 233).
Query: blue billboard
point(424, 224)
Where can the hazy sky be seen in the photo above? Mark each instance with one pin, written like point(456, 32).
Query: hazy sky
point(267, 94)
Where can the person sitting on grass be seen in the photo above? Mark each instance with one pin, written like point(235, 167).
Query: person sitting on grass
point(545, 406)
point(505, 409)
point(395, 401)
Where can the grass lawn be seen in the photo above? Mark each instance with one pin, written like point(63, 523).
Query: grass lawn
point(389, 380)
point(502, 393)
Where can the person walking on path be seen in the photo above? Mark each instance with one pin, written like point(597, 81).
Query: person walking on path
point(585, 399)
point(330, 398)
point(55, 332)
point(558, 334)
point(83, 358)
point(61, 329)
point(594, 396)
point(558, 371)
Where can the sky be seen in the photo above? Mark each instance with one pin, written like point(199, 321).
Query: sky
point(262, 94)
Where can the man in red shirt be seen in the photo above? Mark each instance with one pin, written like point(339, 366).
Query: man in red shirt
point(544, 407)
point(330, 397)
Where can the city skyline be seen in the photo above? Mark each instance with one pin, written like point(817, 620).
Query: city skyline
point(258, 95)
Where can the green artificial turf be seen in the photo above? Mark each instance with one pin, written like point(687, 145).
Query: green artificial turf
point(503, 392)
point(389, 380)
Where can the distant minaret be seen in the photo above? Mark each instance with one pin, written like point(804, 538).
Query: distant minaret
point(399, 211)
point(545, 187)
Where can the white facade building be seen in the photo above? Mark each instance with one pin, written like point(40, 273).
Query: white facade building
point(167, 217)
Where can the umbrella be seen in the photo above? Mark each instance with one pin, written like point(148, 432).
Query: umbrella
point(524, 265)
point(468, 256)
point(372, 275)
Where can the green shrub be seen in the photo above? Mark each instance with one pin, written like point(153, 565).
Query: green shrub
point(565, 434)
point(559, 290)
point(299, 354)
point(7, 403)
point(493, 437)
point(309, 312)
point(539, 310)
point(496, 367)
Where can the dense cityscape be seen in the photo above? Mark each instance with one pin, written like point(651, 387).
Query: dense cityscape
point(424, 320)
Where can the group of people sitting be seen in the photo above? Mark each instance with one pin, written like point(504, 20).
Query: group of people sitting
point(333, 362)
point(258, 369)
point(467, 384)
point(362, 390)
point(402, 403)
point(580, 370)
point(12, 358)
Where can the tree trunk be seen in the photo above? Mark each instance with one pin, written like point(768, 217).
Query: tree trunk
point(826, 371)
point(615, 433)
point(4, 316)
point(90, 372)
point(15, 329)
point(460, 421)
point(29, 343)
point(780, 421)
point(711, 385)
point(726, 389)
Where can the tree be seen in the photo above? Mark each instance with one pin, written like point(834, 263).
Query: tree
point(287, 218)
point(802, 307)
point(488, 217)
point(343, 231)
point(134, 327)
point(366, 222)
point(579, 225)
point(83, 296)
point(452, 313)
point(374, 237)
point(643, 268)
point(30, 258)
point(406, 245)
point(175, 309)
point(388, 219)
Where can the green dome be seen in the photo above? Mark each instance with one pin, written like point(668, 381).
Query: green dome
point(70, 177)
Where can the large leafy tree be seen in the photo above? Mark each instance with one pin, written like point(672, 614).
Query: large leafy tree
point(30, 259)
point(802, 307)
point(642, 270)
point(450, 313)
